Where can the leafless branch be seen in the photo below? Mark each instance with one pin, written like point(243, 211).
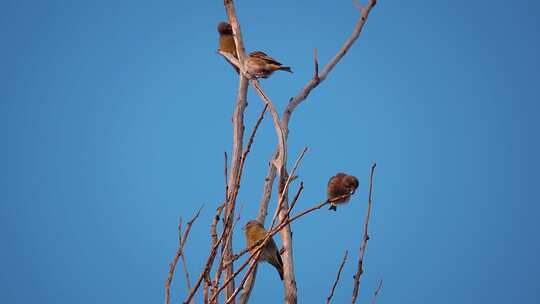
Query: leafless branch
point(280, 163)
point(300, 97)
point(376, 293)
point(252, 136)
point(259, 245)
point(183, 243)
point(226, 175)
point(288, 220)
point(337, 277)
point(238, 130)
point(257, 249)
point(214, 238)
point(180, 253)
point(221, 263)
point(172, 265)
point(277, 168)
point(313, 83)
point(360, 269)
point(281, 160)
point(296, 196)
point(316, 64)
point(286, 186)
point(208, 265)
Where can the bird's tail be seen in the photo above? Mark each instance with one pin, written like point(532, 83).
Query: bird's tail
point(333, 207)
point(285, 68)
point(278, 264)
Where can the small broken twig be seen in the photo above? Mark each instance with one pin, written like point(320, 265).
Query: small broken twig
point(364, 240)
point(337, 277)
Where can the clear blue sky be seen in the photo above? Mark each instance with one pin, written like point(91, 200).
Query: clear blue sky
point(114, 116)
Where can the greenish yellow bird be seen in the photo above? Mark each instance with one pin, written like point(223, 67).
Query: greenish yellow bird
point(226, 40)
point(254, 233)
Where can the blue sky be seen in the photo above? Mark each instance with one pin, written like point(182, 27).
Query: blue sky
point(114, 116)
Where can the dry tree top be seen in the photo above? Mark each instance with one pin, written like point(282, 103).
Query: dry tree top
point(223, 277)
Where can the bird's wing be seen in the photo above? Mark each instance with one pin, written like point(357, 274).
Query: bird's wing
point(265, 57)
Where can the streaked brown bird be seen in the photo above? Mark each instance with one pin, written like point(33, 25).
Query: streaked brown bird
point(226, 40)
point(261, 65)
point(258, 63)
point(340, 185)
point(254, 233)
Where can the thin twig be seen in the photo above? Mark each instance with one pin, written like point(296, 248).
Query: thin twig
point(316, 64)
point(286, 222)
point(221, 264)
point(313, 83)
point(261, 243)
point(254, 254)
point(296, 196)
point(252, 136)
point(180, 253)
point(337, 277)
point(172, 265)
point(286, 186)
point(360, 269)
point(211, 257)
point(376, 293)
point(183, 243)
point(226, 175)
point(214, 238)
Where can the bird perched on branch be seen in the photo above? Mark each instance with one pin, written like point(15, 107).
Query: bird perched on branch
point(257, 63)
point(226, 41)
point(254, 233)
point(340, 188)
point(261, 65)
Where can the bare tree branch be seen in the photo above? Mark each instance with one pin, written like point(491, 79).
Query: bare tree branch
point(296, 196)
point(172, 265)
point(277, 167)
point(211, 257)
point(337, 278)
point(238, 123)
point(221, 264)
point(183, 243)
point(226, 175)
point(313, 83)
point(315, 64)
point(252, 136)
point(376, 293)
point(288, 220)
point(364, 240)
point(281, 160)
point(301, 96)
point(286, 186)
point(180, 253)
